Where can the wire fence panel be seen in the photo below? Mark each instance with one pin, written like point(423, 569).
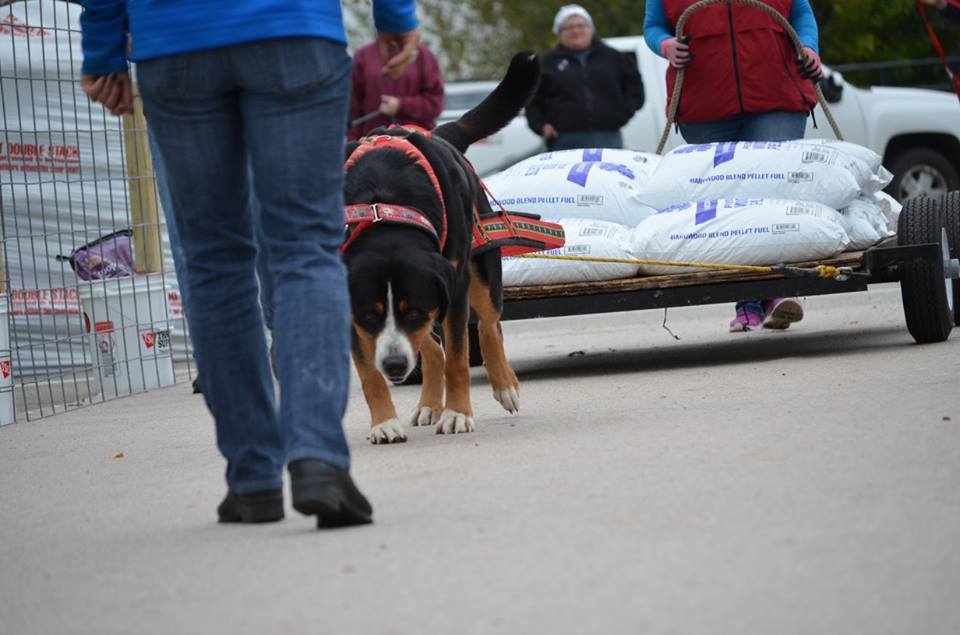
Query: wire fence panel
point(70, 174)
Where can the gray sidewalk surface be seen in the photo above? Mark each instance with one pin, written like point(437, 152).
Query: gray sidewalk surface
point(797, 482)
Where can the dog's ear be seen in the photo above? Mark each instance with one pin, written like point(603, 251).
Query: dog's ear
point(445, 277)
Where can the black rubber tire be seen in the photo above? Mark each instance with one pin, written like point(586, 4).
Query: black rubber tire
point(922, 284)
point(913, 158)
point(951, 220)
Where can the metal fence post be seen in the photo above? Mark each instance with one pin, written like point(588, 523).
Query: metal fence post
point(143, 191)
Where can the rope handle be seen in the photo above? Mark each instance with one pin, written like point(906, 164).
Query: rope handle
point(794, 38)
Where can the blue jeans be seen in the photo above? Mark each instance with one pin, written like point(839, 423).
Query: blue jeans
point(776, 125)
point(586, 139)
point(176, 249)
point(269, 117)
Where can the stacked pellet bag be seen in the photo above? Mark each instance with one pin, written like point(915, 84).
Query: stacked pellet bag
point(763, 203)
point(595, 194)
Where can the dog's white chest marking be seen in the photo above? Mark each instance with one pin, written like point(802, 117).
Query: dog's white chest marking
point(392, 342)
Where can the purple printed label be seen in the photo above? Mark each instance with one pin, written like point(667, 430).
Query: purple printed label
point(706, 211)
point(579, 172)
point(724, 152)
point(592, 154)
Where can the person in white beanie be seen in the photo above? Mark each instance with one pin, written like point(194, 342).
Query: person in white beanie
point(588, 90)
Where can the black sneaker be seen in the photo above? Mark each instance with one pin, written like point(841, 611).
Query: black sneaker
point(328, 492)
point(255, 507)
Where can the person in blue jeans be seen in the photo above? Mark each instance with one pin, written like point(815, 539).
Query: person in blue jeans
point(743, 81)
point(245, 98)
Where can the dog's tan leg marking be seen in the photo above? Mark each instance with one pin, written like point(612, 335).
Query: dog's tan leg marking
point(431, 393)
point(457, 414)
point(385, 427)
point(506, 388)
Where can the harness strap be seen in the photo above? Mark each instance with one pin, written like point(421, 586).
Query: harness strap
point(363, 217)
point(938, 47)
point(402, 144)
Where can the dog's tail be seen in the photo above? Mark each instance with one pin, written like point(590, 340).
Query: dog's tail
point(498, 108)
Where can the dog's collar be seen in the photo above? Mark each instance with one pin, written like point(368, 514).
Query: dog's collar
point(362, 217)
point(400, 214)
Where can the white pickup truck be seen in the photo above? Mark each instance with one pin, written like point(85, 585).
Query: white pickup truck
point(916, 131)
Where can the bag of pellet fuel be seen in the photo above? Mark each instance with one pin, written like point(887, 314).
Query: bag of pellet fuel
point(584, 238)
point(865, 221)
point(757, 169)
point(876, 176)
point(890, 207)
point(599, 184)
point(753, 231)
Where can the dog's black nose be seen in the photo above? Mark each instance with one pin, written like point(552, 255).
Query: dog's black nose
point(395, 366)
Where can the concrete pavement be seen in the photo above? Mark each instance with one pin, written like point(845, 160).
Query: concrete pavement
point(797, 482)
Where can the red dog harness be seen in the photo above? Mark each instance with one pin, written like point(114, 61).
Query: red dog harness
point(512, 232)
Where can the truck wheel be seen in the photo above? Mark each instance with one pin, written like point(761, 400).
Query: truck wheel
point(951, 220)
point(927, 292)
point(922, 172)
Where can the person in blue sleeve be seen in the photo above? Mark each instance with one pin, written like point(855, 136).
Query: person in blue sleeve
point(252, 98)
point(743, 81)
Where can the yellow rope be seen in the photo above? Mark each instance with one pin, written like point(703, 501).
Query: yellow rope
point(823, 271)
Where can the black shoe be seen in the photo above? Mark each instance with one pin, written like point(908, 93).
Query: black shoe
point(255, 507)
point(327, 492)
point(196, 386)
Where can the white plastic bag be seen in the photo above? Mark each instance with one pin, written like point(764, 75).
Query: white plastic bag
point(596, 184)
point(878, 177)
point(756, 169)
point(860, 220)
point(584, 237)
point(739, 231)
point(890, 207)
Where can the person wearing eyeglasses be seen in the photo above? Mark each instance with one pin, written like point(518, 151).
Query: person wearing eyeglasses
point(588, 90)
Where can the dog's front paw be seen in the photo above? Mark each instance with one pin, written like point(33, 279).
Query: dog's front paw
point(422, 416)
point(389, 431)
point(509, 398)
point(453, 422)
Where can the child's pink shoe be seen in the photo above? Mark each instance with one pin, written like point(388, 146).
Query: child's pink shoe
point(781, 312)
point(749, 317)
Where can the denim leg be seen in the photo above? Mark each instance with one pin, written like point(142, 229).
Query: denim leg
point(193, 108)
point(776, 125)
point(294, 103)
point(712, 131)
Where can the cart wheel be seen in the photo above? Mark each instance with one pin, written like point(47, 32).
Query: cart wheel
point(927, 292)
point(951, 220)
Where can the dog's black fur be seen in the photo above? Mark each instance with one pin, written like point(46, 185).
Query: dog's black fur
point(407, 257)
point(429, 286)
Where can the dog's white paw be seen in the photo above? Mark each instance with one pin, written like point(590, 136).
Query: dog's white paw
point(453, 422)
point(422, 416)
point(509, 398)
point(389, 431)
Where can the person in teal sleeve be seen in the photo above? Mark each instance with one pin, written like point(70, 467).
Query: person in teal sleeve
point(743, 81)
point(251, 99)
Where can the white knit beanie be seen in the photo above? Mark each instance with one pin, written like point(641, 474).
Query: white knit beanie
point(567, 11)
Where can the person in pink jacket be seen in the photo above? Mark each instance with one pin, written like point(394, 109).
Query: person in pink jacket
point(416, 97)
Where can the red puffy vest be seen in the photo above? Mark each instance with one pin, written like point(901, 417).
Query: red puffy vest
point(743, 63)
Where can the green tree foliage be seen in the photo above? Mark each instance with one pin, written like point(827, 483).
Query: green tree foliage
point(474, 39)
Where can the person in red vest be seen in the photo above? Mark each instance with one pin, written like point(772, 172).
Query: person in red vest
point(416, 97)
point(743, 81)
point(950, 9)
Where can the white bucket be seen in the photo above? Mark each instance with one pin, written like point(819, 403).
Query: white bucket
point(128, 334)
point(6, 367)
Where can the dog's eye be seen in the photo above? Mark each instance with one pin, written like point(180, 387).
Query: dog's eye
point(370, 318)
point(414, 315)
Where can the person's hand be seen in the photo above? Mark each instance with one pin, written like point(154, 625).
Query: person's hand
point(397, 51)
point(809, 65)
point(940, 4)
point(548, 132)
point(677, 51)
point(114, 91)
point(389, 105)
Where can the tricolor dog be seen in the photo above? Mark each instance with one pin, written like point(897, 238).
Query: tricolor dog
point(411, 200)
